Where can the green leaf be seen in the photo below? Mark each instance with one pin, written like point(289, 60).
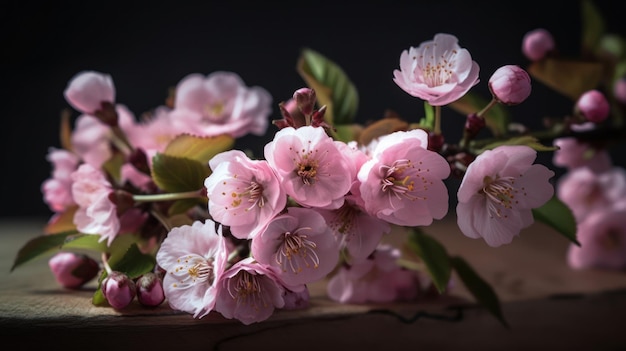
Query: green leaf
point(497, 117)
point(85, 241)
point(593, 26)
point(558, 216)
point(98, 298)
point(113, 166)
point(133, 263)
point(557, 74)
point(38, 246)
point(434, 255)
point(181, 206)
point(201, 149)
point(177, 174)
point(332, 86)
point(480, 289)
point(347, 132)
point(527, 140)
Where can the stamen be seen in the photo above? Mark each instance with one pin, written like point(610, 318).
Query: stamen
point(298, 251)
point(500, 193)
point(193, 270)
point(246, 289)
point(399, 184)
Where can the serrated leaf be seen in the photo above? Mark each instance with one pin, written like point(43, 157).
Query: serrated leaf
point(434, 255)
point(497, 118)
point(85, 241)
point(479, 288)
point(593, 26)
point(347, 132)
point(38, 246)
point(61, 222)
point(201, 149)
point(527, 140)
point(381, 127)
point(332, 86)
point(557, 74)
point(133, 263)
point(177, 174)
point(557, 215)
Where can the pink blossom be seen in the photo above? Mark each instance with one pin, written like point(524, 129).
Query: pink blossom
point(537, 43)
point(377, 279)
point(402, 183)
point(593, 105)
point(573, 153)
point(194, 258)
point(91, 140)
point(510, 85)
point(602, 237)
point(150, 290)
point(153, 133)
point(119, 290)
point(250, 292)
point(244, 194)
point(96, 214)
point(72, 270)
point(438, 71)
point(140, 180)
point(87, 90)
point(585, 191)
point(619, 90)
point(355, 230)
point(299, 245)
point(57, 190)
point(499, 191)
point(220, 103)
point(312, 170)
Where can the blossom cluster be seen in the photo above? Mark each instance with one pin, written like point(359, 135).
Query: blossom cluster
point(212, 228)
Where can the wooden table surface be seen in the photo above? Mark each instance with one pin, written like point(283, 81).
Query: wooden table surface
point(547, 304)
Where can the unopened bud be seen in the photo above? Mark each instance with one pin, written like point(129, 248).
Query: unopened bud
point(435, 141)
point(474, 124)
point(73, 270)
point(510, 85)
point(593, 106)
point(118, 289)
point(88, 90)
point(107, 114)
point(537, 43)
point(150, 290)
point(305, 99)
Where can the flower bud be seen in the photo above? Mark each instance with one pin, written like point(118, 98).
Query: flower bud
point(537, 43)
point(305, 98)
point(619, 90)
point(593, 106)
point(118, 289)
point(88, 90)
point(510, 85)
point(150, 290)
point(73, 270)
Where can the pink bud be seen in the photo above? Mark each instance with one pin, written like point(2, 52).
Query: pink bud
point(510, 84)
point(619, 90)
point(118, 289)
point(150, 290)
point(73, 270)
point(88, 90)
point(305, 98)
point(593, 106)
point(537, 43)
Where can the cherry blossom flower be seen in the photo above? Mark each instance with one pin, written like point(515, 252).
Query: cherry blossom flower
point(250, 292)
point(299, 245)
point(220, 103)
point(573, 153)
point(499, 191)
point(96, 214)
point(602, 238)
point(438, 71)
point(57, 189)
point(91, 140)
point(402, 183)
point(585, 191)
point(244, 194)
point(194, 258)
point(377, 279)
point(355, 230)
point(311, 168)
point(87, 90)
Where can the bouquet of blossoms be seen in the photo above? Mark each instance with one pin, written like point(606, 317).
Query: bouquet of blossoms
point(175, 213)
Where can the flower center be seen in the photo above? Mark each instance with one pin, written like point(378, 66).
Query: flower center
point(307, 171)
point(437, 72)
point(397, 180)
point(214, 112)
point(193, 270)
point(500, 193)
point(246, 289)
point(297, 252)
point(254, 193)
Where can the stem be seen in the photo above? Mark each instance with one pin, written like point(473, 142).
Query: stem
point(168, 196)
point(105, 263)
point(437, 127)
point(491, 104)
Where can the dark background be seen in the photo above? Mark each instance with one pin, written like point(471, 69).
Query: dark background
point(149, 47)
